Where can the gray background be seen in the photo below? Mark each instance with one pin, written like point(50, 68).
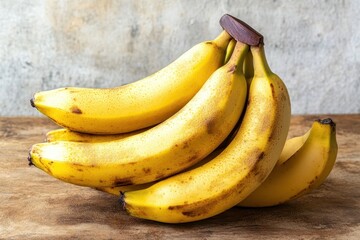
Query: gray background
point(314, 46)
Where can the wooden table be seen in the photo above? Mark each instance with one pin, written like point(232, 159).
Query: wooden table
point(34, 205)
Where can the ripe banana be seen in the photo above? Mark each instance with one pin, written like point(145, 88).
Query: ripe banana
point(139, 104)
point(64, 134)
point(312, 157)
point(238, 170)
point(171, 146)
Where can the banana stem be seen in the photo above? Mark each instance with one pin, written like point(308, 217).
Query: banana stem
point(248, 66)
point(223, 39)
point(229, 50)
point(261, 66)
point(238, 56)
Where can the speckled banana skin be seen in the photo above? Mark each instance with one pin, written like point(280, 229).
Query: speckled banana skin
point(137, 105)
point(168, 148)
point(237, 171)
point(304, 164)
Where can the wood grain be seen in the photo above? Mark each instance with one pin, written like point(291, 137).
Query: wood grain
point(37, 206)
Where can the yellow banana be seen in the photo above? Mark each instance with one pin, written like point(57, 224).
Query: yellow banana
point(171, 146)
point(306, 169)
point(139, 104)
point(238, 170)
point(64, 134)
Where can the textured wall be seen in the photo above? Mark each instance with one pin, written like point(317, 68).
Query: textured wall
point(313, 45)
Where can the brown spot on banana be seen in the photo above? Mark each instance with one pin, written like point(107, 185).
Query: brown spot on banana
point(214, 45)
point(232, 69)
point(194, 213)
point(211, 125)
point(75, 164)
point(272, 90)
point(185, 144)
point(193, 157)
point(76, 110)
point(261, 156)
point(122, 182)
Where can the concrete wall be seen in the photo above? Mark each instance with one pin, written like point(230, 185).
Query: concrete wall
point(313, 45)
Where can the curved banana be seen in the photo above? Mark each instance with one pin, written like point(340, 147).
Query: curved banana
point(171, 146)
point(238, 170)
point(139, 104)
point(64, 134)
point(306, 168)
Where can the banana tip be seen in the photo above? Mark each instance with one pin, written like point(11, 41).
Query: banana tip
point(30, 160)
point(122, 199)
point(327, 121)
point(32, 103)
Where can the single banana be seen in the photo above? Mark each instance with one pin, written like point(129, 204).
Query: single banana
point(64, 134)
point(171, 146)
point(139, 104)
point(238, 170)
point(306, 169)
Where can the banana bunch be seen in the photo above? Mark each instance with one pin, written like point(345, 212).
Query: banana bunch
point(204, 134)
